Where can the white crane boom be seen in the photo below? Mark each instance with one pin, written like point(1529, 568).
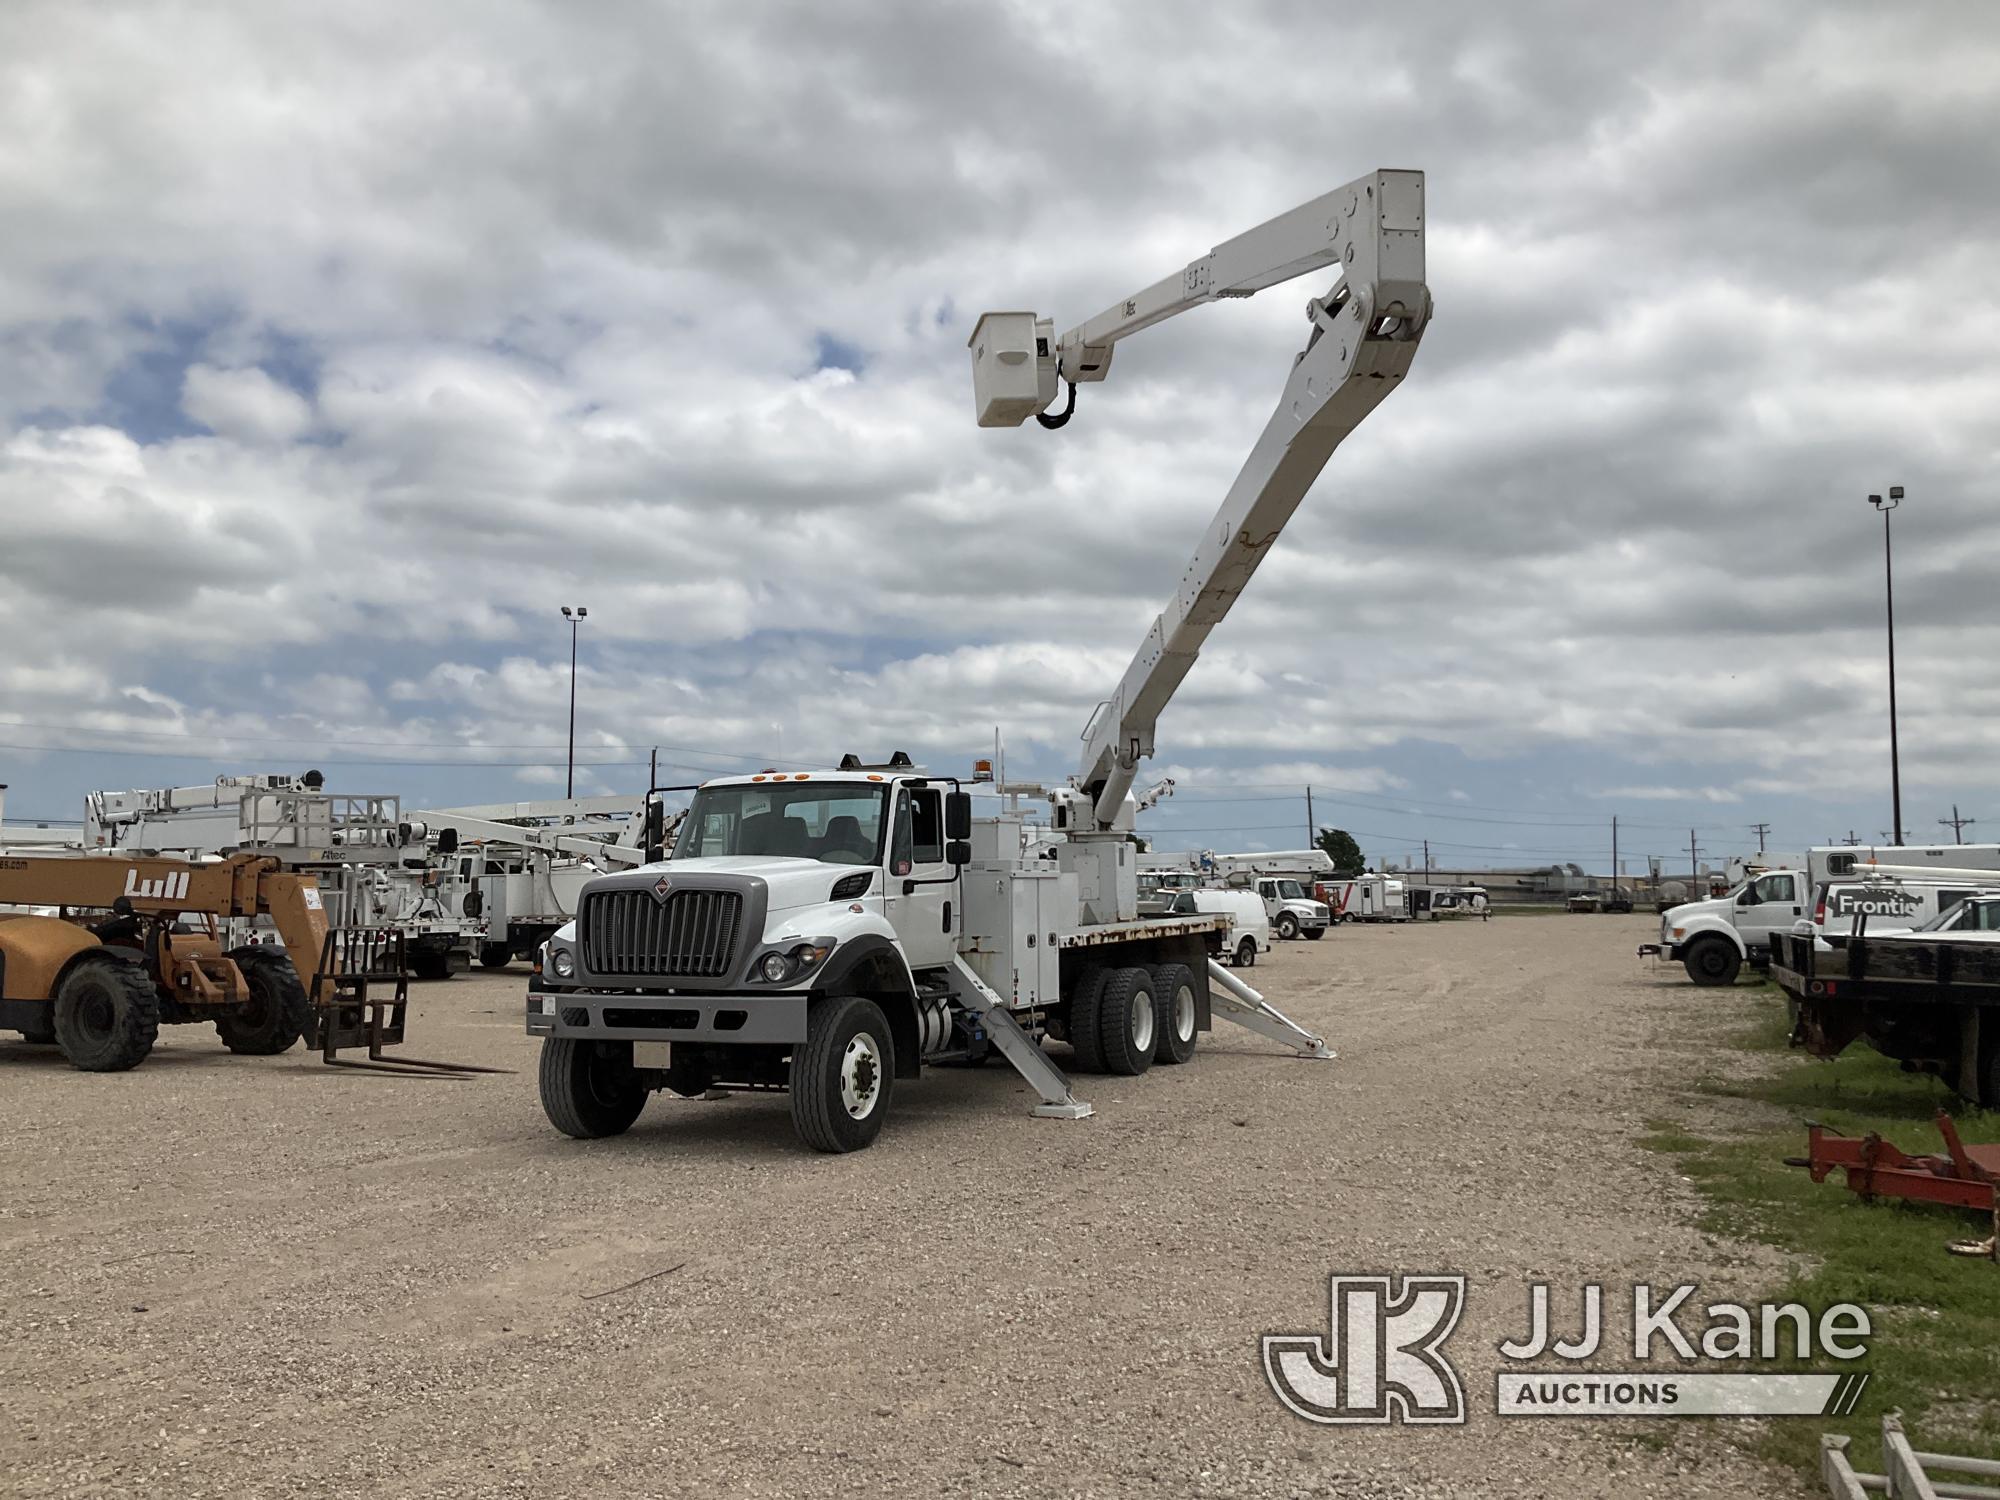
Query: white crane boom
point(1365, 332)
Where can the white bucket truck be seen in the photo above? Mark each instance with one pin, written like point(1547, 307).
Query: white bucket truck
point(830, 931)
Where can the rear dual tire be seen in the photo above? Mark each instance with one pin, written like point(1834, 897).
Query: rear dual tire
point(1177, 1007)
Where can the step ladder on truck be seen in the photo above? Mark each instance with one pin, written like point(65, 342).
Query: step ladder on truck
point(138, 941)
point(830, 931)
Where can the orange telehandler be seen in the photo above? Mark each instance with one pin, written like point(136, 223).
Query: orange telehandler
point(152, 954)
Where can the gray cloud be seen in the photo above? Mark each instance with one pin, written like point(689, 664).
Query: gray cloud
point(483, 306)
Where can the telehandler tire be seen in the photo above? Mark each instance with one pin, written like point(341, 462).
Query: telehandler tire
point(590, 1089)
point(843, 1074)
point(1713, 961)
point(1175, 1006)
point(107, 1014)
point(277, 1012)
point(1314, 934)
point(1128, 1022)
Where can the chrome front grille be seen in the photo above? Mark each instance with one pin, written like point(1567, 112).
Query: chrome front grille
point(692, 934)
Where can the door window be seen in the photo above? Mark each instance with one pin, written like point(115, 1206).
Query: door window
point(927, 826)
point(1774, 888)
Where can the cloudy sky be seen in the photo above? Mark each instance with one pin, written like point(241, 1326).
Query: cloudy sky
point(339, 345)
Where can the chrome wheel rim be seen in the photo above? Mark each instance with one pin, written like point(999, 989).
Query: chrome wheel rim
point(1142, 1022)
point(860, 1076)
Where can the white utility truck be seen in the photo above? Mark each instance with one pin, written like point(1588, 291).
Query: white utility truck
point(830, 931)
point(1289, 908)
point(1714, 939)
point(520, 867)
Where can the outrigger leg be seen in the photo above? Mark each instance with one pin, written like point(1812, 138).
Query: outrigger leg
point(1231, 998)
point(1033, 1064)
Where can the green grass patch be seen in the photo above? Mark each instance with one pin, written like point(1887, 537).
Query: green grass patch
point(1935, 1350)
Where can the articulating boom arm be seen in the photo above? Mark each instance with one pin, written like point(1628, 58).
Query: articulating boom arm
point(1364, 334)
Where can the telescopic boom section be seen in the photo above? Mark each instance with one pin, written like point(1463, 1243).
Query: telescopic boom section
point(1365, 332)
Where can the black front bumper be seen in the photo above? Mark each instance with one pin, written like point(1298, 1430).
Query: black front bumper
point(629, 1016)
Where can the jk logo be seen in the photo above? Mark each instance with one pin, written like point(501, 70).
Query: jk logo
point(1381, 1361)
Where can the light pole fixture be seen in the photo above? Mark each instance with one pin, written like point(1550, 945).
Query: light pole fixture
point(1889, 594)
point(575, 617)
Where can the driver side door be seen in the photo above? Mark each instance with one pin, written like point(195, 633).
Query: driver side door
point(1778, 905)
point(922, 895)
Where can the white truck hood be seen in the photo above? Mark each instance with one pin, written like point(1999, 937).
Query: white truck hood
point(1682, 915)
point(791, 882)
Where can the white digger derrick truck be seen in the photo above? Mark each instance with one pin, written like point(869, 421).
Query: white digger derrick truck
point(828, 932)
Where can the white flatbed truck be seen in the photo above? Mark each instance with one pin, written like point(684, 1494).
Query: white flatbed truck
point(827, 932)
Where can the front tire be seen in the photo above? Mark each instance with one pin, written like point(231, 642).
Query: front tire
point(1288, 926)
point(107, 1014)
point(1176, 1008)
point(277, 1012)
point(1713, 961)
point(843, 1074)
point(590, 1089)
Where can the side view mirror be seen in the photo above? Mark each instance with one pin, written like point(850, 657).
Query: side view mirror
point(958, 853)
point(958, 816)
point(448, 841)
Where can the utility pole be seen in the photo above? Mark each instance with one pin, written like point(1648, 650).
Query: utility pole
point(1852, 838)
point(1889, 595)
point(1956, 824)
point(1614, 854)
point(1312, 828)
point(1694, 858)
point(1427, 861)
point(1760, 829)
point(575, 617)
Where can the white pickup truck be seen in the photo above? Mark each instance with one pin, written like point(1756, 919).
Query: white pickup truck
point(1291, 911)
point(1714, 939)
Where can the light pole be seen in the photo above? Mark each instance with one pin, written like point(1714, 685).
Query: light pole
point(1889, 593)
point(575, 617)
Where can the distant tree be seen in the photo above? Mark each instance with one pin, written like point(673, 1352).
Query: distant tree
point(1340, 847)
point(1145, 845)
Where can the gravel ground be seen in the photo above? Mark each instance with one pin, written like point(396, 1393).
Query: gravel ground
point(237, 1277)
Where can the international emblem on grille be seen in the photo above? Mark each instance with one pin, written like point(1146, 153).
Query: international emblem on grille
point(663, 887)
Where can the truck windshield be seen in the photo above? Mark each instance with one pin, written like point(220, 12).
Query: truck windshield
point(837, 823)
point(1288, 890)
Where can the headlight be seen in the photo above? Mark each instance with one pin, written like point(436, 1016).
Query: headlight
point(782, 965)
point(563, 963)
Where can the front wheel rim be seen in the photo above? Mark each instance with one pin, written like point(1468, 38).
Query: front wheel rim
point(860, 1076)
